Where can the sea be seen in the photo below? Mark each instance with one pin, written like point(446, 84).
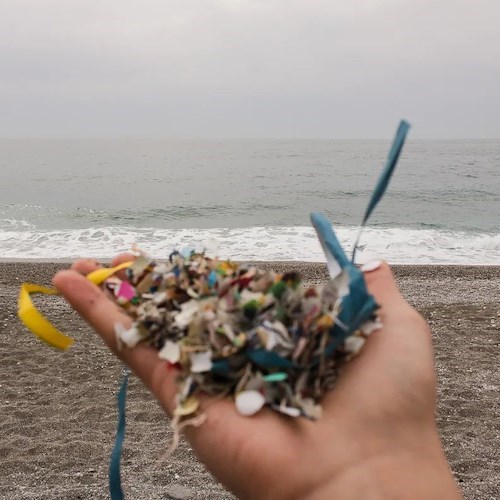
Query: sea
point(248, 199)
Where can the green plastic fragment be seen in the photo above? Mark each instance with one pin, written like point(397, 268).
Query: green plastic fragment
point(250, 309)
point(278, 288)
point(276, 377)
point(281, 314)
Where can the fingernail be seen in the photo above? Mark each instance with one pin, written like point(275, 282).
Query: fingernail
point(371, 265)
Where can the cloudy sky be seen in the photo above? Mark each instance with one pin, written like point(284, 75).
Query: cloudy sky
point(249, 68)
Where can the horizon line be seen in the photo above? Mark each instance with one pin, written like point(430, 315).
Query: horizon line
point(233, 138)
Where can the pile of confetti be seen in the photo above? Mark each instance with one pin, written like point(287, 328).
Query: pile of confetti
point(259, 336)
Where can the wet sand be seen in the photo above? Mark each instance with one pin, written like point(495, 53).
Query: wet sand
point(58, 413)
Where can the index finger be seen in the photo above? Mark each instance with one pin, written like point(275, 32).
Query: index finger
point(102, 314)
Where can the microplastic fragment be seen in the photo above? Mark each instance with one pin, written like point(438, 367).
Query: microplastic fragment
point(249, 402)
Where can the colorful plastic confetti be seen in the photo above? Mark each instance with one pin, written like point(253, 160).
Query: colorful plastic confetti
point(229, 329)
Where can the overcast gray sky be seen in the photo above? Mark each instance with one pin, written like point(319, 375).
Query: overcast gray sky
point(249, 68)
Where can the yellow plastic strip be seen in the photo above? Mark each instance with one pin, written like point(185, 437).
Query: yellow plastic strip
point(102, 274)
point(38, 324)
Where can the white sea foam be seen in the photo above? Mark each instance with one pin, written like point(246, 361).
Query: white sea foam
point(396, 245)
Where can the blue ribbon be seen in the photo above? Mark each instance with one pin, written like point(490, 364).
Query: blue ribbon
point(358, 305)
point(385, 176)
point(115, 486)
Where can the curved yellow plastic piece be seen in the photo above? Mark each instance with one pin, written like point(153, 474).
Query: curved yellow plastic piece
point(38, 324)
point(35, 321)
point(102, 274)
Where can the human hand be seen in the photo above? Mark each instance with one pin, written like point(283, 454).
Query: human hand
point(376, 438)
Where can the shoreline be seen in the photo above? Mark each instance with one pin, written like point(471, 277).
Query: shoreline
point(266, 264)
point(106, 261)
point(58, 410)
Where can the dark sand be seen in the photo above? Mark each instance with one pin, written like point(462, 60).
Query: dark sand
point(58, 416)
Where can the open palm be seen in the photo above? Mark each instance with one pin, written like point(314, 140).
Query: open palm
point(380, 412)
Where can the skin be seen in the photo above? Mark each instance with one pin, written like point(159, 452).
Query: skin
point(377, 437)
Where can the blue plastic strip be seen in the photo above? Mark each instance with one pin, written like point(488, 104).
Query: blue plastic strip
point(358, 305)
point(115, 486)
point(336, 259)
point(392, 160)
point(385, 176)
point(268, 359)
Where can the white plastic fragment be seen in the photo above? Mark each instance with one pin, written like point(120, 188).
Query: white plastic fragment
point(229, 332)
point(342, 282)
point(185, 389)
point(334, 268)
point(170, 352)
point(288, 410)
point(280, 328)
point(247, 295)
point(267, 337)
point(200, 361)
point(248, 403)
point(371, 265)
point(354, 343)
point(160, 269)
point(188, 310)
point(160, 297)
point(130, 337)
point(370, 326)
point(310, 408)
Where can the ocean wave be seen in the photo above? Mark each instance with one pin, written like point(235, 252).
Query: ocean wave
point(396, 245)
point(15, 223)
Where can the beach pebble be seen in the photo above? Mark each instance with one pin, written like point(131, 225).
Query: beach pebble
point(248, 403)
point(177, 492)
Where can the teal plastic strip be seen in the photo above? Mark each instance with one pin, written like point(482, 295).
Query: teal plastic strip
point(268, 359)
point(335, 256)
point(115, 486)
point(276, 377)
point(385, 176)
point(358, 305)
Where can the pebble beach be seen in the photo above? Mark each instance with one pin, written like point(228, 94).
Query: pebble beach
point(58, 410)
